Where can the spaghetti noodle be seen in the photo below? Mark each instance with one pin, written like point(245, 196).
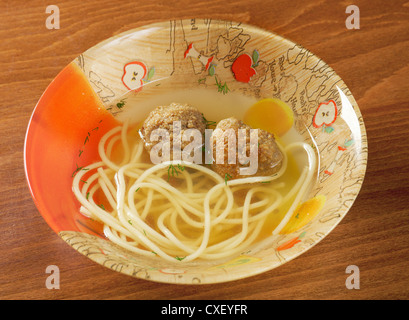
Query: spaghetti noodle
point(180, 210)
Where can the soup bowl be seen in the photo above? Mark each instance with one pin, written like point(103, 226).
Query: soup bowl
point(224, 69)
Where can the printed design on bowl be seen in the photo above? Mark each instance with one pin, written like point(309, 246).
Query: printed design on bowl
point(291, 243)
point(135, 74)
point(325, 115)
point(250, 69)
point(101, 88)
point(224, 45)
point(243, 69)
point(115, 257)
point(172, 271)
point(106, 253)
point(341, 149)
point(227, 44)
point(194, 54)
point(103, 91)
point(238, 261)
point(209, 66)
point(304, 214)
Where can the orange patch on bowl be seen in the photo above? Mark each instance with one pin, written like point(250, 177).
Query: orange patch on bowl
point(63, 136)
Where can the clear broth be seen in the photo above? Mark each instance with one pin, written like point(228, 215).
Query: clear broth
point(215, 106)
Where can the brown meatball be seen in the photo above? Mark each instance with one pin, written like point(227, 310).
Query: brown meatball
point(269, 155)
point(163, 117)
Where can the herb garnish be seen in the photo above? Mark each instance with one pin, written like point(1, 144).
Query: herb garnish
point(207, 122)
point(78, 169)
point(226, 178)
point(121, 103)
point(172, 170)
point(179, 258)
point(80, 151)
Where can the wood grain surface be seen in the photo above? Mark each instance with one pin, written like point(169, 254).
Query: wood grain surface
point(374, 63)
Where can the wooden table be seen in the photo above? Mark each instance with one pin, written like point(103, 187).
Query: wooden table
point(372, 60)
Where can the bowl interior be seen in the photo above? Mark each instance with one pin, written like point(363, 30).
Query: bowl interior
point(197, 62)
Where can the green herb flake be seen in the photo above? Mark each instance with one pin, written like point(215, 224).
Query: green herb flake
point(121, 103)
point(208, 122)
point(179, 258)
point(226, 178)
point(172, 170)
point(78, 169)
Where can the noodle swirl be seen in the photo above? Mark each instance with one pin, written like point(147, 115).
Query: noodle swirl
point(182, 220)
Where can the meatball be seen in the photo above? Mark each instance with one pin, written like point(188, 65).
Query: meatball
point(269, 156)
point(163, 117)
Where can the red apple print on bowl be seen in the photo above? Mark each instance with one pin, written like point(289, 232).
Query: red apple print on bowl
point(134, 72)
point(325, 115)
point(192, 52)
point(242, 68)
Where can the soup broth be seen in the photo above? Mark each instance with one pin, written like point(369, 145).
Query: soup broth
point(178, 209)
